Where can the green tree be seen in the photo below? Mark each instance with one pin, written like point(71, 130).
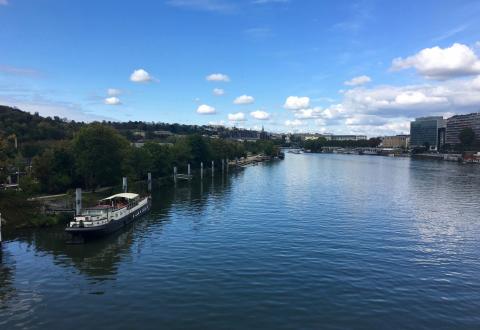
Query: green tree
point(199, 149)
point(54, 169)
point(467, 137)
point(99, 152)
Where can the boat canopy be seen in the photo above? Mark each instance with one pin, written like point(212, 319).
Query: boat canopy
point(122, 195)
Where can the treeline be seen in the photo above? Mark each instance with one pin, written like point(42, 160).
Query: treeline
point(316, 145)
point(55, 155)
point(100, 156)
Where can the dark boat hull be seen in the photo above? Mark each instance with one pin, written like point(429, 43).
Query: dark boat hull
point(103, 230)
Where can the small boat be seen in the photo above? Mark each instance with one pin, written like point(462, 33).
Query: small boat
point(111, 214)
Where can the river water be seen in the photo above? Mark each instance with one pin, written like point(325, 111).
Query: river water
point(314, 241)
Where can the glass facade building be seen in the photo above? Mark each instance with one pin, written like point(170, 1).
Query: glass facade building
point(425, 131)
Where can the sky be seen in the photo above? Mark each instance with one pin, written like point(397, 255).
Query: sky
point(343, 67)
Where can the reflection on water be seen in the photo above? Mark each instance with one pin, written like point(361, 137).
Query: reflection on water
point(333, 240)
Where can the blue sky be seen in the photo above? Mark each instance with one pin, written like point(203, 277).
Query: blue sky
point(292, 65)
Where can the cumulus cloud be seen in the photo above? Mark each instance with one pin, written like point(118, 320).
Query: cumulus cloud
point(238, 116)
point(476, 83)
point(141, 76)
point(244, 99)
point(113, 92)
point(260, 115)
point(218, 91)
point(309, 113)
point(357, 81)
point(205, 109)
point(297, 102)
point(386, 110)
point(218, 77)
point(441, 63)
point(113, 100)
point(294, 123)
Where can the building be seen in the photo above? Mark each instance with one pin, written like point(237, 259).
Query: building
point(264, 135)
point(427, 131)
point(331, 137)
point(397, 141)
point(457, 123)
point(347, 137)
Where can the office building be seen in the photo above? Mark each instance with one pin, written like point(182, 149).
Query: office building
point(427, 131)
point(457, 123)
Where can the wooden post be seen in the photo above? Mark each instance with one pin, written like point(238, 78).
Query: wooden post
point(149, 182)
point(188, 170)
point(223, 165)
point(0, 228)
point(78, 201)
point(227, 164)
point(236, 161)
point(124, 184)
point(201, 170)
point(213, 167)
point(175, 174)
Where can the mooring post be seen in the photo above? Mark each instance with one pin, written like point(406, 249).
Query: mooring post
point(149, 181)
point(236, 161)
point(78, 201)
point(0, 228)
point(124, 184)
point(175, 174)
point(223, 165)
point(201, 170)
point(188, 169)
point(213, 167)
point(227, 164)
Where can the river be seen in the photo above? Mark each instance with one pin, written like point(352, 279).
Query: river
point(314, 241)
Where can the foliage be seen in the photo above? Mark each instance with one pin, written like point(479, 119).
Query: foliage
point(55, 168)
point(99, 153)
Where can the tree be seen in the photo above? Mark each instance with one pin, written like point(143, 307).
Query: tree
point(54, 168)
point(467, 137)
point(99, 152)
point(199, 149)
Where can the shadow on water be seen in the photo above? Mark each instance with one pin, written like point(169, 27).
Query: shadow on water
point(7, 270)
point(100, 259)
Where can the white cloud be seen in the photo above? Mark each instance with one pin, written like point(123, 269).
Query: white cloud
point(244, 99)
point(140, 76)
point(260, 115)
point(297, 102)
point(205, 109)
point(416, 97)
point(309, 113)
point(356, 81)
point(476, 83)
point(218, 77)
point(238, 116)
point(218, 91)
point(113, 100)
point(3, 2)
point(441, 63)
point(294, 123)
point(113, 92)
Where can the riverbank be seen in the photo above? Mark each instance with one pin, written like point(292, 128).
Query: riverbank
point(21, 210)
